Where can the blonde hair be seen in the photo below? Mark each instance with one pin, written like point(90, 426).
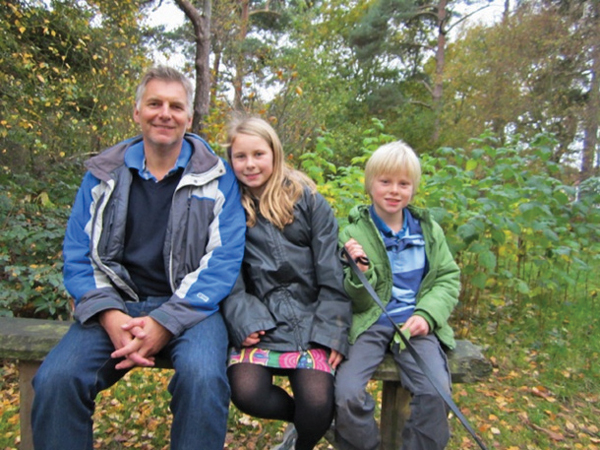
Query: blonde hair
point(285, 186)
point(395, 157)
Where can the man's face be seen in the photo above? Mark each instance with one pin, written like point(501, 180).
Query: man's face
point(163, 114)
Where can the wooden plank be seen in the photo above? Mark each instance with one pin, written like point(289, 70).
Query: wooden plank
point(27, 370)
point(466, 361)
point(29, 339)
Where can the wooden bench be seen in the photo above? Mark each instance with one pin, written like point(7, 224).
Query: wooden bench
point(27, 341)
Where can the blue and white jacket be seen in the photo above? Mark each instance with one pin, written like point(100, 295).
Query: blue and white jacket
point(204, 243)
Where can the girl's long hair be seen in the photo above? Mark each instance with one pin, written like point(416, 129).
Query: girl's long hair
point(285, 186)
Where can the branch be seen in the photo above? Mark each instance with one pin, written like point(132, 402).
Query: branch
point(264, 11)
point(463, 18)
point(418, 103)
point(191, 12)
point(427, 86)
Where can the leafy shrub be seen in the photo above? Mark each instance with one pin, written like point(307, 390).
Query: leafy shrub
point(35, 212)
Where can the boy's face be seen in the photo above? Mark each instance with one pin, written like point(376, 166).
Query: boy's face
point(391, 193)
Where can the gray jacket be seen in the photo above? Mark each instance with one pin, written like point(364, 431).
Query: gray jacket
point(291, 284)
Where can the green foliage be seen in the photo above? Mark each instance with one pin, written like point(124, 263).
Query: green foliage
point(519, 233)
point(66, 71)
point(343, 187)
point(511, 80)
point(35, 211)
point(527, 243)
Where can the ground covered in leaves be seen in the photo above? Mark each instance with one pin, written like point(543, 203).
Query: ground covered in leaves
point(511, 410)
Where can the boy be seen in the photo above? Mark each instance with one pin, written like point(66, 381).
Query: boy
point(411, 268)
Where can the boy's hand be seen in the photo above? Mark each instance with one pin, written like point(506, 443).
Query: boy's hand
point(417, 326)
point(357, 254)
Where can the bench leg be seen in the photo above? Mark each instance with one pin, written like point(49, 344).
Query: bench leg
point(395, 409)
point(27, 370)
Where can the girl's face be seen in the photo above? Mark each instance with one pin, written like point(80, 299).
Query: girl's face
point(252, 161)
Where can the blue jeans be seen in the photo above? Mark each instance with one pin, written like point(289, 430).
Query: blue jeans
point(80, 366)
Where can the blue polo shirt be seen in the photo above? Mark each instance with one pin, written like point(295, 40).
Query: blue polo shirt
point(406, 252)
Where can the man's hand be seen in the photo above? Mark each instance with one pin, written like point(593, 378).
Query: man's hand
point(113, 321)
point(417, 326)
point(149, 337)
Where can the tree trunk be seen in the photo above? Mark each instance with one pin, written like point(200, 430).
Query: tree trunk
point(440, 55)
point(592, 114)
point(238, 104)
point(201, 24)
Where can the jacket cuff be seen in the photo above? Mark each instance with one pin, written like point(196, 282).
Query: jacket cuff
point(428, 318)
point(239, 336)
point(341, 344)
point(96, 301)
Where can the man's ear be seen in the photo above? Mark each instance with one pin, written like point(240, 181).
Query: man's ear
point(136, 115)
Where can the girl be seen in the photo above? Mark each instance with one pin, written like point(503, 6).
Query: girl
point(288, 313)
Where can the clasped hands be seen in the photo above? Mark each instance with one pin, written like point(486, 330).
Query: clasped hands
point(137, 339)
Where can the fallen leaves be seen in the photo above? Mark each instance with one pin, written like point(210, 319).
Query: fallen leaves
point(510, 411)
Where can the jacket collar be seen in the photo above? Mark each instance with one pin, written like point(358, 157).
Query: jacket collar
point(203, 158)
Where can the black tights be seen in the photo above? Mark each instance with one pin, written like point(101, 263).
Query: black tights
point(311, 408)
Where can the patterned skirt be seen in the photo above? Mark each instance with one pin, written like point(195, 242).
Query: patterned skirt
point(316, 358)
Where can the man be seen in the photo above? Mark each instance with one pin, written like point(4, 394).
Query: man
point(154, 242)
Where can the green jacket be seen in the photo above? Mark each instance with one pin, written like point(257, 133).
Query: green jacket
point(438, 294)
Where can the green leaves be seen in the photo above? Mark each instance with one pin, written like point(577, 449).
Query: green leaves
point(516, 229)
point(66, 71)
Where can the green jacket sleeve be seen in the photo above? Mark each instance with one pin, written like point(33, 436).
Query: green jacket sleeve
point(440, 288)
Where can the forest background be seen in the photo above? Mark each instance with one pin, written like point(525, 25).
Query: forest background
point(504, 116)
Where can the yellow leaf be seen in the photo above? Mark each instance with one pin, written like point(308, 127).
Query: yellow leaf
point(41, 78)
point(298, 90)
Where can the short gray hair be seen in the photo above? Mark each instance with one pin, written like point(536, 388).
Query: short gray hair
point(166, 73)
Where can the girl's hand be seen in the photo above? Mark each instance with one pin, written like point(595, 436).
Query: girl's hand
point(335, 358)
point(253, 339)
point(358, 254)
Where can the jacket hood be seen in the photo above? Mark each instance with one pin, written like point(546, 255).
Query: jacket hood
point(203, 158)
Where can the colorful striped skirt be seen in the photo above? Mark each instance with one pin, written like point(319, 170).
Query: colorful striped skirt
point(316, 358)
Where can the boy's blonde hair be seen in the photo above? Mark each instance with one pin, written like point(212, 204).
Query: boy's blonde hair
point(395, 157)
point(285, 186)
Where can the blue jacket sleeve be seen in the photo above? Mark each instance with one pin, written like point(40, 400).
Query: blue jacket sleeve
point(201, 291)
point(81, 277)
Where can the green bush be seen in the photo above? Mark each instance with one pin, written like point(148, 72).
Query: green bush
point(35, 212)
